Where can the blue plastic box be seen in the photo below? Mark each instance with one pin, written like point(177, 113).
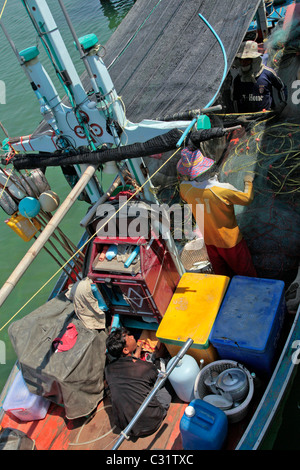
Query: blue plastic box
point(203, 426)
point(249, 322)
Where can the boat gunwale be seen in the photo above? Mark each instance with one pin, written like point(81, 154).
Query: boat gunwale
point(287, 367)
point(255, 432)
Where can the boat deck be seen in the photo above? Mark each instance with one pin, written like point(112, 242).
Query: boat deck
point(97, 431)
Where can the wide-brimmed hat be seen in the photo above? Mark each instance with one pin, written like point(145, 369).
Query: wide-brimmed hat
point(193, 163)
point(248, 50)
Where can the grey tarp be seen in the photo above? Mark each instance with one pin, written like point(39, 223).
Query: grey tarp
point(72, 378)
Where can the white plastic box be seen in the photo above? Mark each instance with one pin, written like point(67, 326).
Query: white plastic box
point(22, 404)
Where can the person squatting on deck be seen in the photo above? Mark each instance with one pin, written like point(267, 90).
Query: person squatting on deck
point(252, 88)
point(226, 248)
point(130, 380)
point(86, 305)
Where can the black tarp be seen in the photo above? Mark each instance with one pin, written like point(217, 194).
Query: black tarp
point(72, 378)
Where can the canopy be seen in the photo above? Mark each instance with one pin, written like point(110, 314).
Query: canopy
point(164, 58)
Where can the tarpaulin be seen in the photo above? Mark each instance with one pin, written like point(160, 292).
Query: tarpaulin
point(164, 59)
point(73, 377)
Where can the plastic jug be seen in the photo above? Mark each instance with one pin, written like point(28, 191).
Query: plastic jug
point(183, 377)
point(203, 426)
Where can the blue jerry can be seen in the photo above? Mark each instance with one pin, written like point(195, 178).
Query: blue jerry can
point(203, 426)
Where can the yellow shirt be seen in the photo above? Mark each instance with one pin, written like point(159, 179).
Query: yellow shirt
point(218, 199)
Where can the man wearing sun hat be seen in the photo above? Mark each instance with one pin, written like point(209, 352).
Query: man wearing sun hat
point(226, 247)
point(252, 88)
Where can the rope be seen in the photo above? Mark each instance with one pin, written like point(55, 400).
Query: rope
point(275, 145)
point(3, 9)
point(100, 228)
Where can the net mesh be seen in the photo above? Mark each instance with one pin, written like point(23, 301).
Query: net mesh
point(271, 224)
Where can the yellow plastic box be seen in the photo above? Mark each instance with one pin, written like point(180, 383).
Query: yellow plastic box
point(191, 314)
point(24, 227)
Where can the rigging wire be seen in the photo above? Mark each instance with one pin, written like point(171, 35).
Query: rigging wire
point(133, 36)
point(4, 5)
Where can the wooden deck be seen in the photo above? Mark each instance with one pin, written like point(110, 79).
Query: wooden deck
point(95, 432)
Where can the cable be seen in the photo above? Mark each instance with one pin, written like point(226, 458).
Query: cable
point(225, 60)
point(3, 9)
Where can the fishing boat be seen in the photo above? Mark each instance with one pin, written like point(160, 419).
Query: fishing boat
point(131, 113)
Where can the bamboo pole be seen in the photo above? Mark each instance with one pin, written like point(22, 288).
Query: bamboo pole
point(11, 282)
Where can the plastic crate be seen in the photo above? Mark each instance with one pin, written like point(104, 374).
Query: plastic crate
point(249, 322)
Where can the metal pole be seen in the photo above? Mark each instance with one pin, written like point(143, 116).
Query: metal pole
point(160, 381)
point(82, 54)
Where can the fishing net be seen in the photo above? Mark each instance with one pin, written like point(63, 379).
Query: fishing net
point(271, 224)
point(283, 46)
point(269, 146)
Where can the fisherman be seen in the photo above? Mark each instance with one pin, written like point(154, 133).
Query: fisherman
point(226, 248)
point(86, 305)
point(252, 88)
point(130, 380)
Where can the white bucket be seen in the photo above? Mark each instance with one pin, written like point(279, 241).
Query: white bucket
point(201, 390)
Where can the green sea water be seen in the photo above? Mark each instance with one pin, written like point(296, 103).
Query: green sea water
point(20, 115)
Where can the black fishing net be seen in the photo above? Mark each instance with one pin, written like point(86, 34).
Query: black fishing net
point(271, 224)
point(271, 148)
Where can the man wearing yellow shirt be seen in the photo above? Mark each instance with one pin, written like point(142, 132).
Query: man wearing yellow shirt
point(226, 247)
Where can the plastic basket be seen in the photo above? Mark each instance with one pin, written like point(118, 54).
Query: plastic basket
point(200, 389)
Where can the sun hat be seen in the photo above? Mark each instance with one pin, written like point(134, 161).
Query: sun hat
point(193, 163)
point(248, 50)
